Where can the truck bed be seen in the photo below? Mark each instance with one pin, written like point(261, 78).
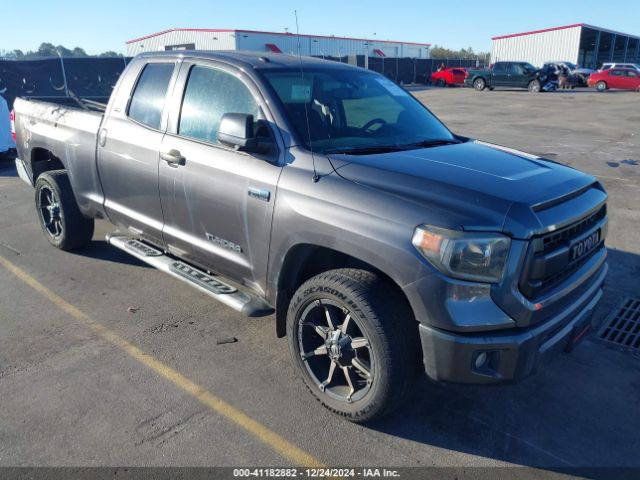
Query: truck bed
point(61, 132)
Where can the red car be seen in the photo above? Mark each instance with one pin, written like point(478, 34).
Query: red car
point(449, 76)
point(624, 78)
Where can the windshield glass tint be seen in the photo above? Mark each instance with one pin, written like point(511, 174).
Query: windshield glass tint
point(351, 109)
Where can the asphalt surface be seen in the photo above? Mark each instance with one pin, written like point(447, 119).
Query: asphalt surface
point(72, 395)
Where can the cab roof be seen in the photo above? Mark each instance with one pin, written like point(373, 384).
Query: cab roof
point(256, 60)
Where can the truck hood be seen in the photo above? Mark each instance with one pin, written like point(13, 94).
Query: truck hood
point(471, 186)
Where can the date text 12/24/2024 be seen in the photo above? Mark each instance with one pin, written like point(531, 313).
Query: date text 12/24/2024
point(315, 472)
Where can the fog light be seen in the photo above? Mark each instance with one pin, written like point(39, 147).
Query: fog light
point(481, 360)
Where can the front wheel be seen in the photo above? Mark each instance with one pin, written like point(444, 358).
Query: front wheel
point(479, 84)
point(352, 342)
point(534, 86)
point(601, 86)
point(62, 222)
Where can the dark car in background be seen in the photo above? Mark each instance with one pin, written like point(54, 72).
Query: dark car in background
point(505, 74)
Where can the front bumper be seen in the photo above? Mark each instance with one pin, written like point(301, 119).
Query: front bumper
point(510, 354)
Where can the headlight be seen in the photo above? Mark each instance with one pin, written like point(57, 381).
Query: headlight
point(479, 257)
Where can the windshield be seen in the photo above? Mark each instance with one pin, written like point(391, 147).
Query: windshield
point(348, 110)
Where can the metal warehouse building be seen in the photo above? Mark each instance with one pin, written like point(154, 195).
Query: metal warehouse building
point(582, 44)
point(310, 45)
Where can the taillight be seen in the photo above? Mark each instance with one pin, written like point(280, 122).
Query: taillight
point(12, 118)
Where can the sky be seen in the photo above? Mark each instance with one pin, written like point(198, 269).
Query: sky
point(101, 26)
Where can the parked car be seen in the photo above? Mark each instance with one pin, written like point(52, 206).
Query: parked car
point(577, 75)
point(505, 74)
point(622, 78)
point(610, 65)
point(385, 243)
point(449, 77)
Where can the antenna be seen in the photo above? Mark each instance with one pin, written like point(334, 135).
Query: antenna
point(315, 177)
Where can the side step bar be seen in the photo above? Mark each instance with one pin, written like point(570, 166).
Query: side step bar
point(250, 305)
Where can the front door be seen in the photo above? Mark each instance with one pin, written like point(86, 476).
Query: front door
point(217, 202)
point(128, 145)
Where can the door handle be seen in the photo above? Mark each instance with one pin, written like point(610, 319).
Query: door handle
point(173, 157)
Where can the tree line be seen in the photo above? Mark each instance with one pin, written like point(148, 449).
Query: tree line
point(50, 50)
point(438, 51)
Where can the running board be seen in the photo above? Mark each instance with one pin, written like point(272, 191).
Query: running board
point(246, 303)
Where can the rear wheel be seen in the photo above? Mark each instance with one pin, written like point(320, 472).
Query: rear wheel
point(479, 84)
point(63, 224)
point(351, 341)
point(601, 86)
point(441, 83)
point(534, 86)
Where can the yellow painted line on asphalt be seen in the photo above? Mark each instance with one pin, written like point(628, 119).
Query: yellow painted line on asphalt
point(268, 437)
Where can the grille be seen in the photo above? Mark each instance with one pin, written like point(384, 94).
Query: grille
point(553, 241)
point(562, 237)
point(622, 327)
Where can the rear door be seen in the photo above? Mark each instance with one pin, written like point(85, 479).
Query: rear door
point(218, 203)
point(632, 79)
point(500, 74)
point(128, 147)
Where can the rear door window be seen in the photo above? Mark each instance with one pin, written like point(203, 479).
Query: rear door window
point(209, 94)
point(500, 68)
point(149, 95)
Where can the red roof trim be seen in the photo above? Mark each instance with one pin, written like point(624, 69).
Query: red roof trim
point(273, 47)
point(533, 32)
point(219, 30)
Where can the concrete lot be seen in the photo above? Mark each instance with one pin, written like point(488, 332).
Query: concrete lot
point(72, 396)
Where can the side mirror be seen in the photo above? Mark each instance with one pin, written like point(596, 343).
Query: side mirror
point(237, 130)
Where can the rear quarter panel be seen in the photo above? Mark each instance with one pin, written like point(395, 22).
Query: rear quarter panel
point(70, 135)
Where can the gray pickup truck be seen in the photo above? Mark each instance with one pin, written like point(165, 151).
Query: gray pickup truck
point(384, 243)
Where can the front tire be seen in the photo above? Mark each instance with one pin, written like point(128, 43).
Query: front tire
point(60, 218)
point(601, 86)
point(534, 86)
point(351, 339)
point(479, 84)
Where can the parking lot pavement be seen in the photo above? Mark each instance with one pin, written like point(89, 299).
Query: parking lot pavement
point(104, 361)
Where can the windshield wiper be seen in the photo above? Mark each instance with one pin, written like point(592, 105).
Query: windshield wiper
point(369, 150)
point(433, 143)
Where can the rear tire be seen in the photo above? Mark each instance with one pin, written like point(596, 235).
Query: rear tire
point(331, 313)
point(601, 86)
point(441, 83)
point(479, 84)
point(60, 218)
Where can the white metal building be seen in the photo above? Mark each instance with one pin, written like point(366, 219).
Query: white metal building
point(312, 45)
point(582, 44)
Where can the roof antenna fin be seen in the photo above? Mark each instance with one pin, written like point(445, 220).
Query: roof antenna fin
point(315, 177)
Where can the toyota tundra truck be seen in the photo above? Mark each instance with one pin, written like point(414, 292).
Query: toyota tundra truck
point(385, 244)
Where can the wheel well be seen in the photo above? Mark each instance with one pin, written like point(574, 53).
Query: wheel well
point(42, 160)
point(305, 261)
